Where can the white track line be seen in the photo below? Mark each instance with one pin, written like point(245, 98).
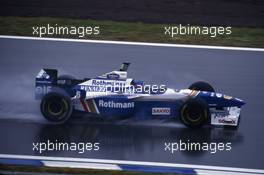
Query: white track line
point(210, 172)
point(134, 43)
point(81, 165)
point(124, 162)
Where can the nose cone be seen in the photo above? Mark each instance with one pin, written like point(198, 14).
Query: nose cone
point(238, 102)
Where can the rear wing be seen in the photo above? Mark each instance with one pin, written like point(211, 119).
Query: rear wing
point(47, 75)
point(44, 81)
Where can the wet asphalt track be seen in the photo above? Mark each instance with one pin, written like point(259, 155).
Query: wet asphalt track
point(237, 73)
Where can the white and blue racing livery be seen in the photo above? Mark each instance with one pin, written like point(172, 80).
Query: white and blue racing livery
point(114, 94)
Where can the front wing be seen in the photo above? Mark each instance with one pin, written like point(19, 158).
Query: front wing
point(228, 116)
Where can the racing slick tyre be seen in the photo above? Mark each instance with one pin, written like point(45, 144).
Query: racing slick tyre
point(201, 86)
point(56, 107)
point(194, 113)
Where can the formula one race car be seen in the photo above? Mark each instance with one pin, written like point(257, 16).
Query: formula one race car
point(113, 94)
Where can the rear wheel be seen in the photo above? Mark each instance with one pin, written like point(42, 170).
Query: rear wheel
point(56, 107)
point(194, 113)
point(201, 86)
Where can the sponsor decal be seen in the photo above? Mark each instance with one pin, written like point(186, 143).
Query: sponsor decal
point(239, 99)
point(161, 111)
point(42, 89)
point(93, 88)
point(112, 104)
point(218, 95)
point(107, 83)
point(194, 93)
point(219, 115)
point(89, 106)
point(43, 74)
point(113, 76)
point(227, 97)
point(102, 83)
point(227, 121)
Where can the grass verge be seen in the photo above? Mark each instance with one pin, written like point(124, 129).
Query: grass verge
point(132, 31)
point(72, 171)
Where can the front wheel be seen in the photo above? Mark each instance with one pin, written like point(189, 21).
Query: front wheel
point(201, 86)
point(194, 113)
point(55, 107)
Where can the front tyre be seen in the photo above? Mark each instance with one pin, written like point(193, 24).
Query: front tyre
point(201, 86)
point(194, 113)
point(55, 107)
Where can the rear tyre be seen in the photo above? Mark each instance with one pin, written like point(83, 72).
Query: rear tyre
point(194, 113)
point(56, 108)
point(201, 86)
